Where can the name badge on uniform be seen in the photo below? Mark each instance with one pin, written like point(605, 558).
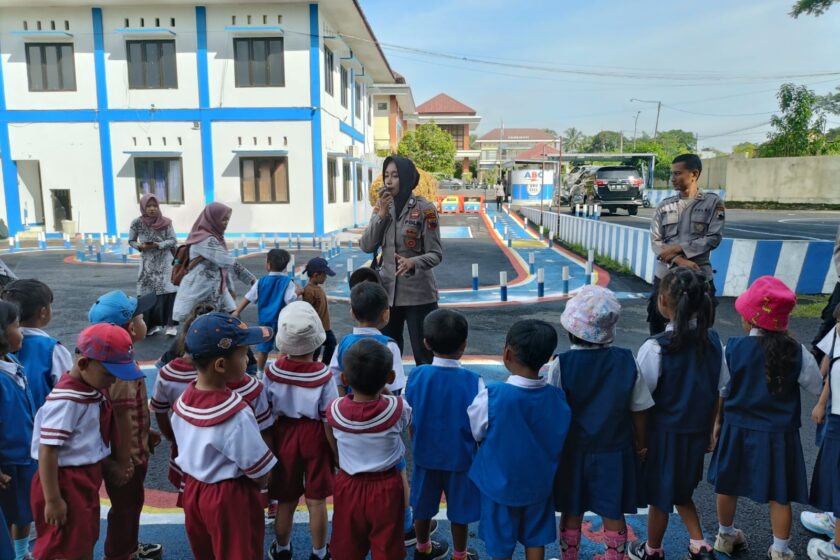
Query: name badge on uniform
point(415, 214)
point(411, 233)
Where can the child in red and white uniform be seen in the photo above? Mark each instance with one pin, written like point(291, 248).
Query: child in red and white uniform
point(71, 438)
point(369, 503)
point(300, 389)
point(224, 460)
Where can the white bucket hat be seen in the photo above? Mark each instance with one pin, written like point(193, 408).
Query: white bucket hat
point(299, 329)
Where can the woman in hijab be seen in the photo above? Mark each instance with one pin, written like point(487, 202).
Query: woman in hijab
point(208, 280)
point(404, 228)
point(152, 234)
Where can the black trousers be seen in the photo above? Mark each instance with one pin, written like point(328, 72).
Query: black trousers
point(656, 322)
point(828, 322)
point(499, 202)
point(413, 315)
point(327, 349)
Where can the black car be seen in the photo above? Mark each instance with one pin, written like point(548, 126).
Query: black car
point(611, 187)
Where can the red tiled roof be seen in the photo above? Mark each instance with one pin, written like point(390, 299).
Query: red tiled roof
point(443, 104)
point(534, 134)
point(539, 152)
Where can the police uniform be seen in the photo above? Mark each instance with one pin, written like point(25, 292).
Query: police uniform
point(695, 224)
point(414, 234)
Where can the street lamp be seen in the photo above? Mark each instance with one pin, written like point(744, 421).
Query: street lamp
point(658, 109)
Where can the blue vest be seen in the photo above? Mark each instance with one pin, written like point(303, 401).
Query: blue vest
point(439, 398)
point(517, 461)
point(271, 291)
point(599, 388)
point(36, 355)
point(687, 390)
point(749, 404)
point(352, 339)
point(17, 416)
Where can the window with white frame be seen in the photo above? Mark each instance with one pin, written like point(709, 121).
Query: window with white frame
point(332, 179)
point(160, 177)
point(329, 71)
point(345, 81)
point(50, 67)
point(259, 62)
point(151, 64)
point(348, 181)
point(358, 100)
point(360, 184)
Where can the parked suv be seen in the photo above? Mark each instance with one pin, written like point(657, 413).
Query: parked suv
point(611, 187)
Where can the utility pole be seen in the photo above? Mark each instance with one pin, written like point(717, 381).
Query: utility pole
point(635, 127)
point(621, 141)
point(658, 110)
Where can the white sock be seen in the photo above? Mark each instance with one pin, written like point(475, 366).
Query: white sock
point(281, 547)
point(726, 530)
point(780, 545)
point(320, 552)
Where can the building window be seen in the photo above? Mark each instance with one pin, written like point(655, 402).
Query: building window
point(329, 70)
point(456, 131)
point(358, 100)
point(332, 179)
point(50, 67)
point(160, 177)
point(360, 186)
point(265, 180)
point(348, 181)
point(151, 65)
point(345, 79)
point(382, 106)
point(370, 108)
point(259, 62)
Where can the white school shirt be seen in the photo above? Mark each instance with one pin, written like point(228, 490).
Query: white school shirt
point(399, 372)
point(255, 395)
point(230, 449)
point(833, 338)
point(71, 426)
point(809, 377)
point(62, 360)
point(289, 296)
point(170, 384)
point(375, 451)
point(479, 410)
point(641, 399)
point(294, 401)
point(649, 360)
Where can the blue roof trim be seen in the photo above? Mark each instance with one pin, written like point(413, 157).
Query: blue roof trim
point(351, 132)
point(145, 31)
point(254, 28)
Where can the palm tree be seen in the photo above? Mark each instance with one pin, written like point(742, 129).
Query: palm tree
point(573, 139)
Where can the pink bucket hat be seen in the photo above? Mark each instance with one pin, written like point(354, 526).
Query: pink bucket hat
point(591, 315)
point(767, 304)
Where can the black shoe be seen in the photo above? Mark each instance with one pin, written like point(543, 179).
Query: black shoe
point(276, 554)
point(637, 550)
point(439, 551)
point(148, 551)
point(702, 554)
point(411, 536)
point(327, 557)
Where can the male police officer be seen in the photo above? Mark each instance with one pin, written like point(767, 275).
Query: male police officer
point(684, 231)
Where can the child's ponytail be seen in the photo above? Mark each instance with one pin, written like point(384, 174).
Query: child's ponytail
point(780, 358)
point(688, 298)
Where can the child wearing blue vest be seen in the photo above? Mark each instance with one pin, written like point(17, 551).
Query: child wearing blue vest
point(608, 397)
point(443, 446)
point(759, 453)
point(684, 370)
point(43, 357)
point(521, 425)
point(825, 483)
point(17, 416)
point(271, 293)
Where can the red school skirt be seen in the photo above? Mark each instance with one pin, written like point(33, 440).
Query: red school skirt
point(79, 488)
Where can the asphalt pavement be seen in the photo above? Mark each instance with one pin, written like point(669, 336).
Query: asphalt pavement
point(77, 286)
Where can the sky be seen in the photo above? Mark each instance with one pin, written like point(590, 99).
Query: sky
point(716, 65)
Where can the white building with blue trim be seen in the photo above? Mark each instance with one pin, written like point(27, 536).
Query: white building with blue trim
point(264, 107)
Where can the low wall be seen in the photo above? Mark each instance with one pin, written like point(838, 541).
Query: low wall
point(805, 266)
point(792, 180)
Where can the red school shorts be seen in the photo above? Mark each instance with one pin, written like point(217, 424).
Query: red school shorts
point(368, 515)
point(305, 461)
point(79, 488)
point(224, 520)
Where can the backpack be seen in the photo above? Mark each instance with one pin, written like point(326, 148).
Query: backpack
point(182, 264)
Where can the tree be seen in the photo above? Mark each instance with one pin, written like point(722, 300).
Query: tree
point(573, 140)
point(431, 148)
point(551, 131)
point(829, 103)
point(662, 165)
point(799, 128)
point(747, 148)
point(678, 141)
point(607, 141)
point(810, 7)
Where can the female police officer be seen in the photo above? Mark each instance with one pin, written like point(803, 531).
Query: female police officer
point(405, 228)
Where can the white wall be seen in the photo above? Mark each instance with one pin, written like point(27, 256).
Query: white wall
point(223, 90)
point(70, 159)
point(13, 58)
point(116, 63)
